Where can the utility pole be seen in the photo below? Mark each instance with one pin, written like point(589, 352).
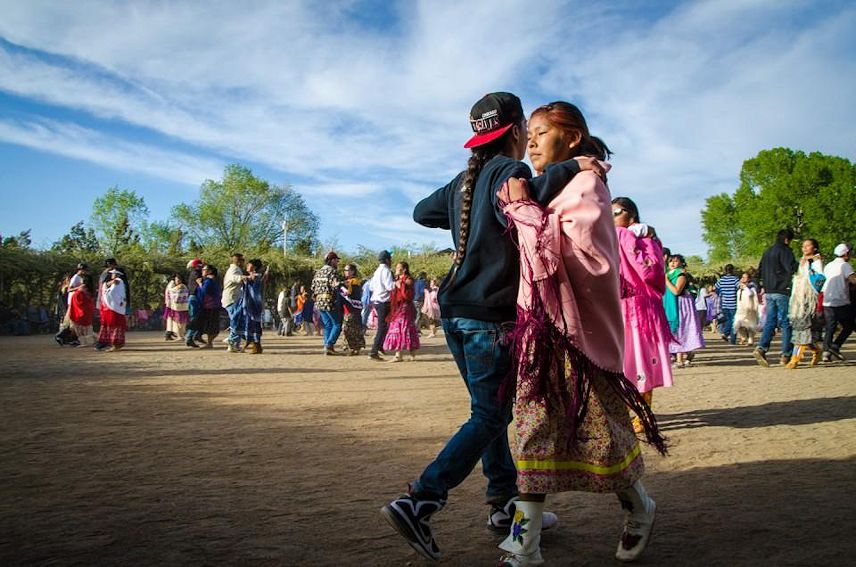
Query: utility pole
point(284, 226)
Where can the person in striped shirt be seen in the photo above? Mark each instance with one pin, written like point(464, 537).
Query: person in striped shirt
point(726, 288)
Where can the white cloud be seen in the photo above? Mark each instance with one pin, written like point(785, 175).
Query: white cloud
point(70, 140)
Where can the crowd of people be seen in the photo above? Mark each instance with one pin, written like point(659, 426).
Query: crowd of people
point(561, 309)
point(811, 307)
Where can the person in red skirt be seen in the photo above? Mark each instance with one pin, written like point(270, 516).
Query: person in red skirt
point(114, 300)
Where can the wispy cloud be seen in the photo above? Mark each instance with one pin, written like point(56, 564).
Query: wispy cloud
point(70, 140)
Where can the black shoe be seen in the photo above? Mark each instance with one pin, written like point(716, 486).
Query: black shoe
point(411, 517)
point(761, 357)
point(375, 356)
point(836, 352)
point(59, 340)
point(191, 344)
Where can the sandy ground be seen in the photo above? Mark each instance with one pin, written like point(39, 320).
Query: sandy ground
point(158, 455)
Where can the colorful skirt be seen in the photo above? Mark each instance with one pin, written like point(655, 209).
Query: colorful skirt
point(352, 328)
point(689, 336)
point(402, 333)
point(113, 327)
point(646, 343)
point(604, 457)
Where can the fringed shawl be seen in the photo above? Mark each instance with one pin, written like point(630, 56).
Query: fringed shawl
point(176, 298)
point(569, 301)
point(803, 300)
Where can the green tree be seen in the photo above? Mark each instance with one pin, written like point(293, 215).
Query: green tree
point(22, 240)
point(163, 238)
point(243, 212)
point(119, 217)
point(812, 194)
point(79, 241)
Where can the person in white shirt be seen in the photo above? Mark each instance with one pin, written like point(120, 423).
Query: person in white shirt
point(232, 282)
point(65, 336)
point(836, 302)
point(381, 286)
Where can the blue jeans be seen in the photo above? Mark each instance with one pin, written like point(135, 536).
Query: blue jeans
point(777, 316)
point(234, 311)
point(484, 360)
point(727, 328)
point(332, 321)
point(193, 309)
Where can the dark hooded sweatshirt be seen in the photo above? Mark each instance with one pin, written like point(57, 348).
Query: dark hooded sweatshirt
point(485, 286)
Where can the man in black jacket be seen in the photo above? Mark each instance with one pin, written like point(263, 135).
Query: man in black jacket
point(777, 269)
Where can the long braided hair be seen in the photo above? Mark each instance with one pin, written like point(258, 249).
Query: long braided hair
point(480, 156)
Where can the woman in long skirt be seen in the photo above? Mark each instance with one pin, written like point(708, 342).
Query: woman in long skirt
point(175, 312)
point(207, 322)
point(680, 312)
point(746, 317)
point(572, 429)
point(252, 307)
point(646, 331)
point(403, 334)
point(114, 301)
point(431, 307)
point(806, 322)
point(352, 324)
point(81, 311)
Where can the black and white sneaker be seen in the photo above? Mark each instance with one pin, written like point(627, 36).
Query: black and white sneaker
point(501, 517)
point(411, 517)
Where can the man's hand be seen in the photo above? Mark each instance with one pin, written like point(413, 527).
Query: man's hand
point(591, 164)
point(515, 189)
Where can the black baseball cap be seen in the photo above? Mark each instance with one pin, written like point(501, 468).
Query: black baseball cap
point(492, 116)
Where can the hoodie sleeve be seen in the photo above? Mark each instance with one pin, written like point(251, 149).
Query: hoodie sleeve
point(433, 210)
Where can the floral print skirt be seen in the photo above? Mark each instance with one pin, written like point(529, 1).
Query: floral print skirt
point(605, 456)
point(352, 327)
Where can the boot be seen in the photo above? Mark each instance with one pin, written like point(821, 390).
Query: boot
point(639, 511)
point(523, 543)
point(795, 358)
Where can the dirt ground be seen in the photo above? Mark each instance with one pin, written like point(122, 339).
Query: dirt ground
point(158, 455)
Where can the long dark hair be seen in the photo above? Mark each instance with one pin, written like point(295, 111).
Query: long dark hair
point(628, 205)
point(570, 119)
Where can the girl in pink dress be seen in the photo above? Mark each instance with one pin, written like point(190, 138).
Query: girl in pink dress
point(647, 361)
point(431, 307)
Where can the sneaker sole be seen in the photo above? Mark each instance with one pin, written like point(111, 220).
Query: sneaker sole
point(761, 360)
point(404, 529)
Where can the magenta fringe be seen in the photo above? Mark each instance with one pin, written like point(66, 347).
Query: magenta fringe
point(538, 349)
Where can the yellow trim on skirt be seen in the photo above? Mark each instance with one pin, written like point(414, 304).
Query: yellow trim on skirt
point(580, 466)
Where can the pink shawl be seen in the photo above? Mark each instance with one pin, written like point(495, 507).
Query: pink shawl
point(578, 248)
point(569, 300)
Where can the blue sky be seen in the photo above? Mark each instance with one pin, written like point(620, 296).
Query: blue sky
point(362, 106)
